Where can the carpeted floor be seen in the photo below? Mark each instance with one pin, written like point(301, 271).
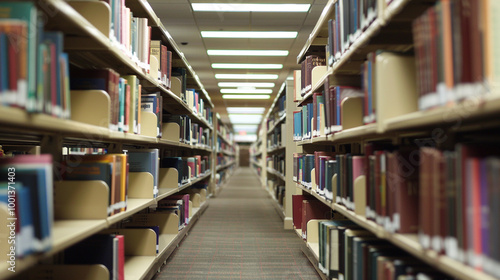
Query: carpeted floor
point(240, 236)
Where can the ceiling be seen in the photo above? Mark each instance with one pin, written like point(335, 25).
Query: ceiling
point(185, 26)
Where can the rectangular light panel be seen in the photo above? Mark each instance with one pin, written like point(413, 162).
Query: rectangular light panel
point(250, 34)
point(247, 52)
point(232, 7)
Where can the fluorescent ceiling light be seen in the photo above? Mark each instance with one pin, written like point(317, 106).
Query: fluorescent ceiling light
point(245, 138)
point(247, 52)
point(245, 127)
point(249, 90)
point(245, 119)
point(223, 7)
point(247, 76)
point(255, 85)
point(250, 34)
point(245, 110)
point(246, 66)
point(245, 96)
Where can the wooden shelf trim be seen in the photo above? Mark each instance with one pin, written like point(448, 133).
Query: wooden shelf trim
point(278, 122)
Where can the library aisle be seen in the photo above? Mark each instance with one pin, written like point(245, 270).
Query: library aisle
point(240, 236)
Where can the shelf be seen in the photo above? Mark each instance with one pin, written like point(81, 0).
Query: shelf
point(276, 173)
point(165, 192)
point(312, 256)
point(276, 149)
point(134, 205)
point(316, 195)
point(224, 138)
point(278, 122)
point(220, 167)
point(255, 162)
point(227, 153)
point(409, 243)
point(464, 112)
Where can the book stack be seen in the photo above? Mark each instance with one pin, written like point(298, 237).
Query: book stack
point(187, 167)
point(177, 204)
point(33, 72)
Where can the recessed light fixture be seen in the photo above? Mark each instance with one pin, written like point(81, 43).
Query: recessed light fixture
point(230, 7)
point(248, 52)
point(245, 110)
point(246, 66)
point(255, 85)
point(247, 76)
point(245, 127)
point(250, 34)
point(246, 90)
point(245, 119)
point(245, 96)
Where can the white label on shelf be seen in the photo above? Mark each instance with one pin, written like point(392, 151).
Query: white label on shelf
point(451, 247)
point(436, 243)
point(338, 199)
point(428, 100)
point(425, 240)
point(396, 222)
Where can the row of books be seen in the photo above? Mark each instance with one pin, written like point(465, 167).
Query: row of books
point(33, 71)
point(456, 50)
point(454, 190)
point(223, 146)
point(188, 167)
point(224, 131)
point(190, 133)
point(223, 159)
point(278, 190)
point(279, 110)
point(351, 18)
point(347, 251)
point(130, 34)
point(276, 162)
point(275, 139)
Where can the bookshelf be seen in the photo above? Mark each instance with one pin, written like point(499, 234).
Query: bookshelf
point(83, 212)
point(270, 155)
point(226, 157)
point(466, 116)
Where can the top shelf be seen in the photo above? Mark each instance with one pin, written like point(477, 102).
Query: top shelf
point(89, 47)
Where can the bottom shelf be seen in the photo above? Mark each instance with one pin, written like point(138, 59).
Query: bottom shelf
point(313, 259)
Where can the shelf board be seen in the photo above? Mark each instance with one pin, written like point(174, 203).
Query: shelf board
point(276, 173)
point(276, 149)
point(315, 194)
point(313, 259)
point(278, 122)
point(134, 205)
point(315, 87)
point(467, 111)
point(137, 267)
point(314, 247)
point(224, 138)
point(165, 192)
point(220, 167)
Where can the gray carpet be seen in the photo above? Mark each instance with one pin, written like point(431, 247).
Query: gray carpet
point(240, 236)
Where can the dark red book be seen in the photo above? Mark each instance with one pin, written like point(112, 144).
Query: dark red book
point(313, 209)
point(297, 210)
